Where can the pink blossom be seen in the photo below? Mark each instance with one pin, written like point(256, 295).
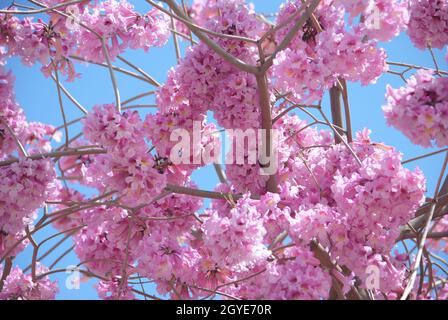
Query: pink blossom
point(352, 198)
point(105, 126)
point(382, 19)
point(315, 58)
point(428, 23)
point(114, 290)
point(11, 113)
point(25, 186)
point(102, 242)
point(20, 286)
point(420, 109)
point(122, 27)
point(236, 241)
point(296, 275)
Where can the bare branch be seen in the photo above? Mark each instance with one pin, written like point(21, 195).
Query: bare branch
point(35, 11)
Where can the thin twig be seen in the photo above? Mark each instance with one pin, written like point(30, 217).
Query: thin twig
point(424, 156)
point(112, 75)
point(141, 71)
point(69, 96)
point(61, 105)
point(175, 40)
point(42, 10)
point(142, 95)
point(14, 136)
point(56, 154)
point(203, 193)
point(66, 252)
point(425, 232)
point(220, 173)
point(118, 69)
point(348, 121)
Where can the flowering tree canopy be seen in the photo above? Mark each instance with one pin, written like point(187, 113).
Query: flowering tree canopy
point(304, 209)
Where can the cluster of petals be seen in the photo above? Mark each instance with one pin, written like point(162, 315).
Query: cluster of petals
point(109, 236)
point(175, 213)
point(122, 27)
point(39, 42)
point(107, 127)
point(239, 235)
point(26, 184)
point(10, 114)
point(127, 167)
point(200, 11)
point(21, 286)
point(382, 19)
point(351, 198)
point(165, 258)
point(114, 289)
point(75, 166)
point(296, 275)
point(236, 241)
point(342, 205)
point(51, 41)
point(63, 197)
point(103, 241)
point(439, 226)
point(428, 23)
point(197, 134)
point(323, 51)
point(204, 81)
point(420, 109)
point(294, 135)
point(354, 210)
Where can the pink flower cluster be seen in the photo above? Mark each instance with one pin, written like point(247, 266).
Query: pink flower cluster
point(127, 167)
point(10, 113)
point(25, 186)
point(102, 243)
point(420, 109)
point(204, 81)
point(166, 258)
point(75, 166)
point(355, 210)
point(114, 290)
point(294, 134)
point(237, 236)
point(351, 198)
point(52, 42)
point(121, 28)
point(111, 236)
point(428, 23)
point(160, 127)
point(178, 209)
point(20, 286)
point(236, 240)
point(296, 275)
point(316, 58)
point(381, 19)
point(336, 201)
point(112, 130)
point(39, 41)
point(67, 196)
point(439, 226)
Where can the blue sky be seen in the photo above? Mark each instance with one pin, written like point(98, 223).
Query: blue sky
point(38, 97)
